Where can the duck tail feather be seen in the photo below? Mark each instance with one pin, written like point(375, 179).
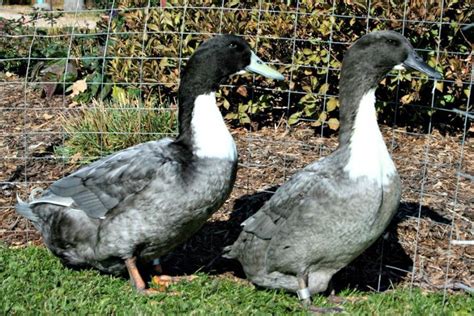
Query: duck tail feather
point(228, 253)
point(23, 208)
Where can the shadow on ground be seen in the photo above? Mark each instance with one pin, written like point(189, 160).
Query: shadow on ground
point(380, 267)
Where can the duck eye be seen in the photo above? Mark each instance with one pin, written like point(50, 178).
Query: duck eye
point(392, 42)
point(232, 45)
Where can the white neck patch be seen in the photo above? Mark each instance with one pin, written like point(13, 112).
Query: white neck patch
point(210, 134)
point(369, 156)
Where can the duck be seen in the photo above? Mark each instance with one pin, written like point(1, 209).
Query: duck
point(329, 212)
point(141, 202)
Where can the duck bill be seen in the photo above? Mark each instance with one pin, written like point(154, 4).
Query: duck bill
point(416, 63)
point(259, 67)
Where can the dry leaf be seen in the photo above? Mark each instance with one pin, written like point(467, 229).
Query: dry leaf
point(333, 123)
point(76, 157)
point(407, 98)
point(47, 116)
point(332, 104)
point(324, 88)
point(323, 116)
point(49, 89)
point(78, 87)
point(242, 90)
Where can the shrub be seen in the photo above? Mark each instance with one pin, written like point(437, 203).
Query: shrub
point(323, 34)
point(307, 47)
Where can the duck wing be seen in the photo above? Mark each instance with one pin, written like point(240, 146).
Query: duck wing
point(286, 201)
point(101, 186)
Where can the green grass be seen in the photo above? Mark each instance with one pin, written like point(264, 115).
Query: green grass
point(108, 126)
point(34, 281)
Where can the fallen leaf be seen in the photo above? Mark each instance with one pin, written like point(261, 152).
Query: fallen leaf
point(47, 116)
point(49, 89)
point(76, 157)
point(35, 146)
point(78, 87)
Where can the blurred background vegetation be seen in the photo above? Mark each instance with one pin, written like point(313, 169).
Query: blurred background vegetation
point(137, 47)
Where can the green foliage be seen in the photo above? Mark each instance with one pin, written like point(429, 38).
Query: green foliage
point(33, 281)
point(109, 126)
point(316, 60)
point(150, 61)
point(44, 51)
point(15, 48)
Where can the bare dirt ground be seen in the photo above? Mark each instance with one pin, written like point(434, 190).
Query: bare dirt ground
point(436, 207)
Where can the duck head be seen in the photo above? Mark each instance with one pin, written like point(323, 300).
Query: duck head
point(222, 56)
point(376, 53)
point(366, 62)
point(231, 54)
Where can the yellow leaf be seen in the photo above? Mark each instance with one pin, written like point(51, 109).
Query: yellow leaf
point(324, 88)
point(439, 86)
point(323, 116)
point(164, 62)
point(78, 87)
point(47, 116)
point(293, 119)
point(316, 123)
point(119, 95)
point(406, 99)
point(332, 104)
point(226, 104)
point(333, 123)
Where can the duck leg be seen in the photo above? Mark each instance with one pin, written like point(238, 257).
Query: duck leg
point(155, 263)
point(136, 279)
point(305, 297)
point(303, 292)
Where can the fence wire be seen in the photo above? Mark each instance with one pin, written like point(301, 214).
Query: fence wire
point(435, 219)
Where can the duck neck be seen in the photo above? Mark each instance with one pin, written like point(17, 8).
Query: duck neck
point(360, 133)
point(201, 127)
point(354, 85)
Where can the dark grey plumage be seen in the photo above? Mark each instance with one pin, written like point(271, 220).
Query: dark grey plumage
point(332, 210)
point(145, 200)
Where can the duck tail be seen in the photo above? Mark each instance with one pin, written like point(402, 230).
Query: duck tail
point(228, 253)
point(23, 208)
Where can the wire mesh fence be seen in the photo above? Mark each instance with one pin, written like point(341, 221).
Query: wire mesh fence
point(56, 63)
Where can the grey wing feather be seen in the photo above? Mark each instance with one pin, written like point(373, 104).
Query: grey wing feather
point(268, 220)
point(101, 186)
